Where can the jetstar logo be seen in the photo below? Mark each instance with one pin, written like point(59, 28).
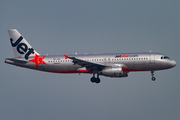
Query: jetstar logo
point(22, 48)
point(121, 56)
point(38, 60)
point(125, 56)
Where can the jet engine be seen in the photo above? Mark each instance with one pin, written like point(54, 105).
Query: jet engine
point(113, 72)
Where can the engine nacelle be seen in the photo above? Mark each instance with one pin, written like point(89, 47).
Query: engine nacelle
point(113, 72)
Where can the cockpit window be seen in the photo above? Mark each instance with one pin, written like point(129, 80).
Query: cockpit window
point(165, 57)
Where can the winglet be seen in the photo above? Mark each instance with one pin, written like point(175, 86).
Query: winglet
point(66, 57)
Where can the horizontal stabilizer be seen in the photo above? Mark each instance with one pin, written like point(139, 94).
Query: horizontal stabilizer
point(12, 60)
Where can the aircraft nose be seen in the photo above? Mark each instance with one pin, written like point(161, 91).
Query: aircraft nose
point(173, 63)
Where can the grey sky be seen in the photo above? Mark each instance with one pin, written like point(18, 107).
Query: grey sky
point(94, 26)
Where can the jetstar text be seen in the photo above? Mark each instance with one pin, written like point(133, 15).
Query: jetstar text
point(125, 56)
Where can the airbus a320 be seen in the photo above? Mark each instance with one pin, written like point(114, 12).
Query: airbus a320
point(115, 65)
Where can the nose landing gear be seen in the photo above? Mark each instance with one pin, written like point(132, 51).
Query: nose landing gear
point(152, 74)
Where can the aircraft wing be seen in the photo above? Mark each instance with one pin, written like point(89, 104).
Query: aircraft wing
point(89, 65)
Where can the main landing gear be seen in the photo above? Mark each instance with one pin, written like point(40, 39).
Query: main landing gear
point(152, 74)
point(95, 80)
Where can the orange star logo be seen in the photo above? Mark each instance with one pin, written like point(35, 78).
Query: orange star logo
point(38, 60)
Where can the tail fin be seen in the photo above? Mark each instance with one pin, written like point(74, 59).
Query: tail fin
point(21, 48)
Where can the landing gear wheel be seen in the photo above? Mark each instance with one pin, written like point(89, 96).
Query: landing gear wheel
point(153, 78)
point(152, 74)
point(98, 80)
point(93, 79)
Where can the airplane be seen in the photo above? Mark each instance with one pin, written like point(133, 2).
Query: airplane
point(114, 65)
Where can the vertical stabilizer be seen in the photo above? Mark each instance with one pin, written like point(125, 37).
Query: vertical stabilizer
point(21, 48)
